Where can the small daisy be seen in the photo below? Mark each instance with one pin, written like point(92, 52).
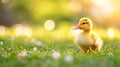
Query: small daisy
point(68, 58)
point(33, 40)
point(22, 54)
point(110, 54)
point(55, 55)
point(38, 43)
point(34, 49)
point(1, 43)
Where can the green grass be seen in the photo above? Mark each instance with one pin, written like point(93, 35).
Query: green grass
point(109, 56)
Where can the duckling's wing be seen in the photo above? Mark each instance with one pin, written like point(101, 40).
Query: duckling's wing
point(97, 40)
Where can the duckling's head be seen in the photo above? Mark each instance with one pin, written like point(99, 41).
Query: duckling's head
point(84, 24)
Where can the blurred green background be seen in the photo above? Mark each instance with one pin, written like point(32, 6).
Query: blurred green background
point(104, 12)
point(39, 33)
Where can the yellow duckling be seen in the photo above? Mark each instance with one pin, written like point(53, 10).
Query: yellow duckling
point(87, 40)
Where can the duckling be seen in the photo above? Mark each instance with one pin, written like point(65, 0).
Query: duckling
point(87, 40)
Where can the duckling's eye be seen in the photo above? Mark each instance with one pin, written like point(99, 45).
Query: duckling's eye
point(84, 23)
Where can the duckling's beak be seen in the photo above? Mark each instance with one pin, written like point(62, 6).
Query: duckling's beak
point(76, 27)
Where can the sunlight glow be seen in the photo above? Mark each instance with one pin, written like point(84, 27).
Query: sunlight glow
point(105, 7)
point(49, 25)
point(75, 5)
point(110, 33)
point(2, 30)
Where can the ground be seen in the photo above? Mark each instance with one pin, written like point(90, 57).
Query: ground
point(35, 52)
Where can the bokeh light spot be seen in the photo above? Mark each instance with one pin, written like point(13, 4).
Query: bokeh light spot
point(49, 25)
point(110, 33)
point(28, 31)
point(19, 30)
point(22, 30)
point(2, 30)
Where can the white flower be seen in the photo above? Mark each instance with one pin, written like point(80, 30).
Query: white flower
point(33, 40)
point(34, 49)
point(68, 58)
point(1, 42)
point(38, 43)
point(22, 54)
point(110, 54)
point(55, 55)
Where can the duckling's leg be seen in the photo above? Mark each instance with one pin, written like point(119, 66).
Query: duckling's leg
point(85, 49)
point(89, 48)
point(93, 48)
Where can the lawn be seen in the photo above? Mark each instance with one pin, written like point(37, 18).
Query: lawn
point(36, 52)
